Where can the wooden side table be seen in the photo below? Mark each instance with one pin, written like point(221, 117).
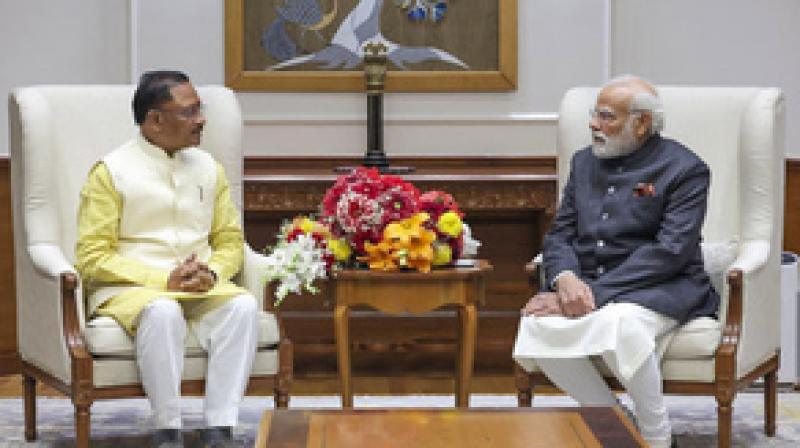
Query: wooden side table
point(411, 292)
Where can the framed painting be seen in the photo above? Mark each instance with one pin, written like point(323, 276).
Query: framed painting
point(317, 45)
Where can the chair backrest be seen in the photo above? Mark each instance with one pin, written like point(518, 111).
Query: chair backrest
point(59, 132)
point(737, 131)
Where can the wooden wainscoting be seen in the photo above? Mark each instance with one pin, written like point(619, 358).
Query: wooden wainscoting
point(9, 361)
point(508, 202)
point(791, 210)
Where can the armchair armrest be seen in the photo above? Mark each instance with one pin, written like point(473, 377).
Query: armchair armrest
point(535, 272)
point(252, 275)
point(50, 313)
point(49, 260)
point(749, 314)
point(252, 279)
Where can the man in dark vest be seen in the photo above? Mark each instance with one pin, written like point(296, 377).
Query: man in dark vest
point(622, 259)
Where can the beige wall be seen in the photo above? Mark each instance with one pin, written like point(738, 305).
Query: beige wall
point(713, 42)
point(562, 43)
point(61, 42)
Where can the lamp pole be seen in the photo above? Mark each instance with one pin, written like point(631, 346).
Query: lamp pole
point(374, 77)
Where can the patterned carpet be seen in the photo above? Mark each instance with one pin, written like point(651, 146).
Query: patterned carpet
point(126, 423)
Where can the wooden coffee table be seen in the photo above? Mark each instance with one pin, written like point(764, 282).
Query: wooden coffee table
point(411, 292)
point(442, 428)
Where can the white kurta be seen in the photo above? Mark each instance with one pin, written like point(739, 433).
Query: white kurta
point(627, 330)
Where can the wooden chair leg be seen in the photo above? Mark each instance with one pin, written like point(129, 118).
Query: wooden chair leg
point(524, 390)
point(82, 425)
point(724, 421)
point(29, 388)
point(283, 381)
point(770, 402)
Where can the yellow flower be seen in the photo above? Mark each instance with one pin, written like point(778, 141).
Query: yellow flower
point(340, 249)
point(442, 254)
point(450, 224)
point(379, 256)
point(411, 242)
point(307, 225)
point(403, 231)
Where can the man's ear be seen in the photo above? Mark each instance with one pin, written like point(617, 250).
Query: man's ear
point(154, 116)
point(643, 125)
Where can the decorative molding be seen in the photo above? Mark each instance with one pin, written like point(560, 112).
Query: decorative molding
point(265, 193)
point(438, 165)
point(404, 120)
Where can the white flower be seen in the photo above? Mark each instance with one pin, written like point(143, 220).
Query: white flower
point(295, 265)
point(471, 245)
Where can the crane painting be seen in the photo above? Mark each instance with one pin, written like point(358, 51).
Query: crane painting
point(362, 24)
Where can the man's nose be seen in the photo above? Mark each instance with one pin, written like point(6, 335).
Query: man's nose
point(594, 124)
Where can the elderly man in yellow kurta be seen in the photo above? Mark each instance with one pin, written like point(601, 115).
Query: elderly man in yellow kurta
point(159, 240)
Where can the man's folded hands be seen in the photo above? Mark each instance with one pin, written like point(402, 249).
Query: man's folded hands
point(573, 298)
point(191, 276)
point(543, 304)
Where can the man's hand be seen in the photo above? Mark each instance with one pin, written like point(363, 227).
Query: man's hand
point(543, 304)
point(191, 276)
point(575, 295)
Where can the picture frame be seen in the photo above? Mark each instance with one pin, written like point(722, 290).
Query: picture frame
point(245, 53)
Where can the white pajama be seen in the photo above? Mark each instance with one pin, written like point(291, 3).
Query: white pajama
point(229, 335)
point(625, 335)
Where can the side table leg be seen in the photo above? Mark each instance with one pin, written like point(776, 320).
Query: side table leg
point(469, 324)
point(341, 326)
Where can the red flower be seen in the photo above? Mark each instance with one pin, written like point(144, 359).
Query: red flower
point(294, 234)
point(436, 202)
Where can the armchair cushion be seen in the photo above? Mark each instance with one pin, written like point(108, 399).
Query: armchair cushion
point(696, 339)
point(107, 338)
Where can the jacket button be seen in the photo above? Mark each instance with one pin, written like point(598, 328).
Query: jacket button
point(601, 243)
point(611, 189)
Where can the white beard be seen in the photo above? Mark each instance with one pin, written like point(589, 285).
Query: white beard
point(619, 145)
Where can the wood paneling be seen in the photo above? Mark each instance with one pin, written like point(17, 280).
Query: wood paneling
point(791, 214)
point(9, 362)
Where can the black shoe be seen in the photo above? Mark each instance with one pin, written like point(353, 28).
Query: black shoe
point(219, 437)
point(168, 438)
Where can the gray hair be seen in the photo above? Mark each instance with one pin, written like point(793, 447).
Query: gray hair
point(645, 99)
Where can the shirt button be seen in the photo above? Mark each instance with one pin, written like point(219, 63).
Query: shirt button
point(600, 270)
point(604, 216)
point(611, 189)
point(601, 243)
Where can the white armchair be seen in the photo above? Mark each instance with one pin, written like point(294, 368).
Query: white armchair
point(738, 132)
point(57, 133)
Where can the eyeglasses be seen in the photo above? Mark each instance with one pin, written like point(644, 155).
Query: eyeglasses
point(187, 112)
point(606, 116)
point(602, 115)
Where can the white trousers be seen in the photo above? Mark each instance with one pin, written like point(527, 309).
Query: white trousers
point(578, 376)
point(229, 335)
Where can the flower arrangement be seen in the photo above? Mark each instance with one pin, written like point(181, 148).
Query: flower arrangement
point(301, 256)
point(373, 220)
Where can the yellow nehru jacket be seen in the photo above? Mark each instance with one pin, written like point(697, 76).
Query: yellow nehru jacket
point(143, 212)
